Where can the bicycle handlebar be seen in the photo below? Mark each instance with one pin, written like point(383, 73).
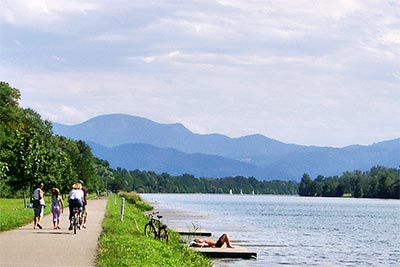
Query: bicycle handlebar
point(151, 215)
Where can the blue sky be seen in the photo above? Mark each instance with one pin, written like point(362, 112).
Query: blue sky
point(323, 73)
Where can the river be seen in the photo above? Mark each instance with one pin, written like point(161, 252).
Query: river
point(292, 230)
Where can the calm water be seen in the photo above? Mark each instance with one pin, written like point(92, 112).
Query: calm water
point(292, 231)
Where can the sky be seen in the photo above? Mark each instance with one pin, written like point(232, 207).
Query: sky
point(324, 73)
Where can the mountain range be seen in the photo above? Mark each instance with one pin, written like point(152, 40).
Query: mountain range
point(133, 142)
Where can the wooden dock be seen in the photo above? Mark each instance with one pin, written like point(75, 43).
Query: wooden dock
point(224, 252)
point(193, 232)
point(236, 252)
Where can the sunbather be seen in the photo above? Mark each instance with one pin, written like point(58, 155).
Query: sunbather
point(224, 239)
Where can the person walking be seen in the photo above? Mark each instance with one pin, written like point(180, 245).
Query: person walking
point(38, 206)
point(57, 207)
point(85, 193)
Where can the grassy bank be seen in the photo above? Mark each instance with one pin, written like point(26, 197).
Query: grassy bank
point(124, 244)
point(13, 214)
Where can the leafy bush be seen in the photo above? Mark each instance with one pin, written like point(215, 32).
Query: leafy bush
point(135, 199)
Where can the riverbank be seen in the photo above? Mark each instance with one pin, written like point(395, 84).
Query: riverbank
point(124, 244)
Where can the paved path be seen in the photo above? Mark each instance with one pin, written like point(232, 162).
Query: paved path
point(48, 247)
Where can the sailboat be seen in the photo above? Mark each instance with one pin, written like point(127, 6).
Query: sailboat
point(230, 192)
point(241, 192)
point(253, 192)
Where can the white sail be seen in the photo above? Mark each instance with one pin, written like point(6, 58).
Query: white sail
point(241, 192)
point(230, 192)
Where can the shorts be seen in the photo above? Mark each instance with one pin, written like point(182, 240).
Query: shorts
point(39, 211)
point(56, 212)
point(74, 203)
point(36, 204)
point(219, 243)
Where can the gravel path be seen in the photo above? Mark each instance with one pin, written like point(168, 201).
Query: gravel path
point(48, 247)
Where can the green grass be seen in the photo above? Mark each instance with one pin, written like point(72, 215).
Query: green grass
point(13, 214)
point(124, 244)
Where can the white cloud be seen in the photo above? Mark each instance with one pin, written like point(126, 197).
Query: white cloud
point(42, 13)
point(391, 37)
point(333, 9)
point(112, 38)
point(309, 72)
point(156, 58)
point(56, 58)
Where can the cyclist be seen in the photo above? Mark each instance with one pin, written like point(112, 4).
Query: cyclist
point(75, 200)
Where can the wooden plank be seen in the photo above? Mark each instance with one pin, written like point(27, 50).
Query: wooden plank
point(235, 252)
point(194, 232)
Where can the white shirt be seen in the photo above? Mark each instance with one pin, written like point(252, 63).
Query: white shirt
point(36, 194)
point(76, 194)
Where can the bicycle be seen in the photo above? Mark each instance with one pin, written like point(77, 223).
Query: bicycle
point(155, 228)
point(77, 218)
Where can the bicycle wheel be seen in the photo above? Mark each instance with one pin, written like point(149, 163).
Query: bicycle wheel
point(164, 234)
point(149, 230)
point(79, 221)
point(75, 223)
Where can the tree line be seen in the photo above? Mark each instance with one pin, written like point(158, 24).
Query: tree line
point(151, 182)
point(378, 182)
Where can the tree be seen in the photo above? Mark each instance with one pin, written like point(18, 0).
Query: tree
point(307, 186)
point(30, 153)
point(10, 125)
point(358, 187)
point(30, 148)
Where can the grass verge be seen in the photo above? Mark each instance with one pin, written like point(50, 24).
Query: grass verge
point(13, 214)
point(124, 244)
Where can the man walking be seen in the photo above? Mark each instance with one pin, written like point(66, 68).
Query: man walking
point(38, 206)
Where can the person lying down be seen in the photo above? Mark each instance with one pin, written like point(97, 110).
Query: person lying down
point(224, 239)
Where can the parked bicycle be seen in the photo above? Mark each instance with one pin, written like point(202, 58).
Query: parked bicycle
point(155, 227)
point(77, 218)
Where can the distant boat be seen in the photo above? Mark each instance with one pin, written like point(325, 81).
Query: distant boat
point(230, 192)
point(241, 192)
point(253, 192)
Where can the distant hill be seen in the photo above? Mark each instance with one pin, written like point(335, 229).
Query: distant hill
point(137, 143)
point(172, 161)
point(117, 129)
